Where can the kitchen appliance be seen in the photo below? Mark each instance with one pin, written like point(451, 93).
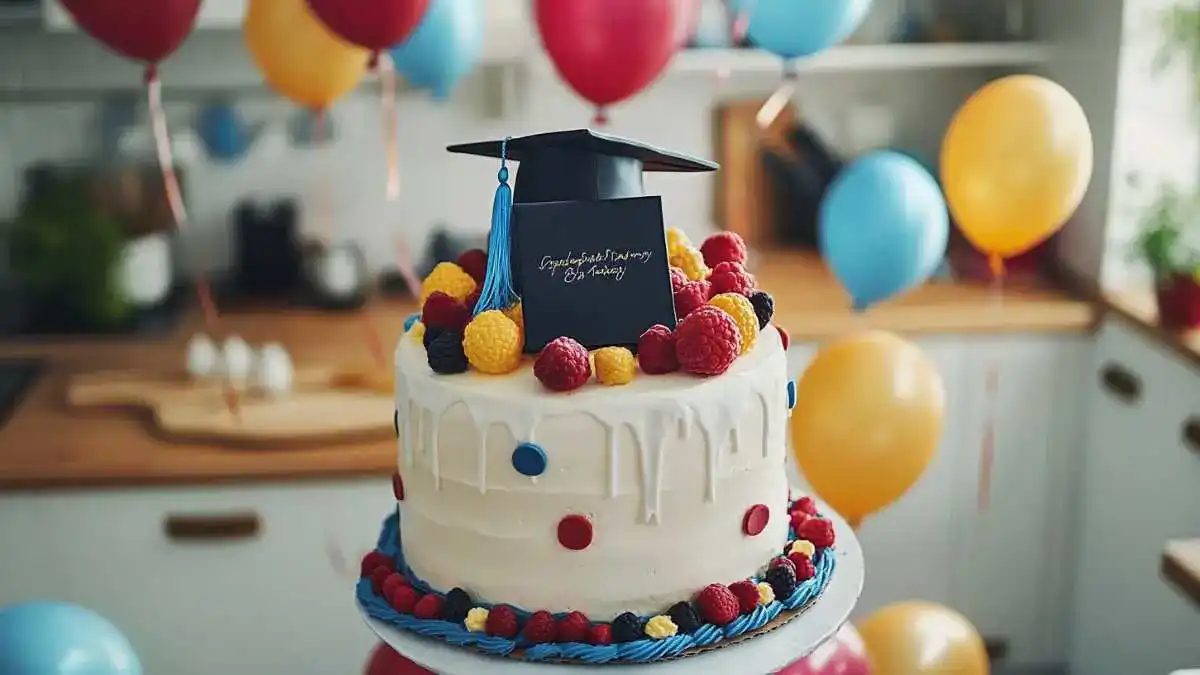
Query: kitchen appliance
point(17, 376)
point(337, 276)
point(799, 175)
point(267, 257)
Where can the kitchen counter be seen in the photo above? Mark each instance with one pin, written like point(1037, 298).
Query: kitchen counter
point(1139, 306)
point(46, 445)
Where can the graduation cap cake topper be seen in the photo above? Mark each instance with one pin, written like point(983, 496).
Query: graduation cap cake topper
point(577, 238)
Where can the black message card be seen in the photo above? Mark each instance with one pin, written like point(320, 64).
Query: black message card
point(595, 271)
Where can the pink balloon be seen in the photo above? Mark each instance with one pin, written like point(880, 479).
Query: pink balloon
point(386, 661)
point(842, 654)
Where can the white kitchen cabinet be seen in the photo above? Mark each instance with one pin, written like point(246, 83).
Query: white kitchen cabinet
point(1141, 487)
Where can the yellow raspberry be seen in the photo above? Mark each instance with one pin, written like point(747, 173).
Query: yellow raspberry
point(614, 365)
point(516, 313)
point(660, 627)
point(766, 594)
point(737, 306)
point(803, 547)
point(492, 343)
point(676, 241)
point(692, 263)
point(449, 279)
point(476, 621)
point(417, 333)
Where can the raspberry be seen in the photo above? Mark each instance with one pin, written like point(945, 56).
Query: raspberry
point(805, 569)
point(724, 247)
point(563, 365)
point(473, 299)
point(614, 365)
point(805, 504)
point(656, 351)
point(600, 634)
point(378, 576)
point(729, 277)
point(798, 518)
point(574, 627)
point(443, 311)
point(626, 628)
point(781, 562)
point(678, 279)
point(747, 595)
point(428, 607)
point(390, 585)
point(405, 599)
point(782, 579)
point(474, 263)
point(684, 615)
point(449, 279)
point(457, 604)
point(445, 354)
point(784, 337)
point(707, 341)
point(764, 307)
point(372, 560)
point(817, 530)
point(691, 297)
point(540, 628)
point(502, 622)
point(677, 241)
point(493, 343)
point(718, 604)
point(742, 312)
point(691, 262)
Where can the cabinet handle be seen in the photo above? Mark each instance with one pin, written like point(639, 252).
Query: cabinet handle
point(396, 423)
point(1120, 383)
point(997, 649)
point(212, 527)
point(1191, 433)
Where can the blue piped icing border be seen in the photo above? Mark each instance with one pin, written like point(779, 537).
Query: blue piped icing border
point(639, 651)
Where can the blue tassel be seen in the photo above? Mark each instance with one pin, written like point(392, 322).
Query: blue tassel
point(497, 290)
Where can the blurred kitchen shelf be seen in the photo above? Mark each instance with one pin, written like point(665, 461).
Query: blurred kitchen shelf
point(869, 58)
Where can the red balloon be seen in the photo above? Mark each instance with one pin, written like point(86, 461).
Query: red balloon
point(386, 661)
point(136, 29)
point(372, 24)
point(842, 654)
point(608, 50)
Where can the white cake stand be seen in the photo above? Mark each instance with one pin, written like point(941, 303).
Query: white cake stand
point(764, 654)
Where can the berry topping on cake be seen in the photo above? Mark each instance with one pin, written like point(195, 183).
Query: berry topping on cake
point(502, 622)
point(718, 605)
point(677, 241)
point(626, 628)
point(477, 619)
point(372, 560)
point(707, 341)
point(456, 606)
point(798, 518)
point(691, 296)
point(766, 594)
point(747, 595)
point(805, 569)
point(390, 585)
point(691, 262)
point(782, 578)
point(806, 505)
point(684, 615)
point(473, 299)
point(764, 307)
point(780, 562)
point(661, 626)
point(417, 333)
point(614, 365)
point(803, 547)
point(784, 337)
point(575, 532)
point(563, 365)
point(404, 599)
point(398, 486)
point(817, 530)
point(493, 343)
point(730, 277)
point(678, 279)
point(656, 351)
point(574, 627)
point(429, 607)
point(600, 634)
point(445, 354)
point(474, 263)
point(378, 576)
point(723, 247)
point(742, 312)
point(541, 628)
point(755, 520)
point(430, 334)
point(443, 311)
point(449, 279)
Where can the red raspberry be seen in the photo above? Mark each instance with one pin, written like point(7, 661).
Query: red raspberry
point(806, 504)
point(540, 628)
point(729, 277)
point(474, 263)
point(798, 518)
point(390, 585)
point(784, 337)
point(723, 247)
point(678, 279)
point(656, 351)
point(782, 562)
point(817, 530)
point(707, 341)
point(501, 622)
point(405, 599)
point(718, 604)
point(601, 634)
point(574, 627)
point(372, 560)
point(428, 607)
point(747, 595)
point(443, 311)
point(691, 296)
point(805, 569)
point(563, 365)
point(473, 299)
point(379, 576)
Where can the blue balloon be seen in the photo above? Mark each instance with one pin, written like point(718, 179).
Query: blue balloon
point(883, 227)
point(795, 28)
point(444, 46)
point(57, 638)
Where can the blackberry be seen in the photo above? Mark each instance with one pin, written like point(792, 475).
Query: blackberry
point(431, 333)
point(782, 579)
point(626, 628)
point(764, 307)
point(684, 616)
point(445, 354)
point(457, 604)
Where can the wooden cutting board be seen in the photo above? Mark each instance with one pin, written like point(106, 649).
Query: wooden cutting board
point(326, 405)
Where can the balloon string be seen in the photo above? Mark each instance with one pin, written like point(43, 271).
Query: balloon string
point(778, 101)
point(600, 119)
point(166, 164)
point(987, 452)
point(387, 74)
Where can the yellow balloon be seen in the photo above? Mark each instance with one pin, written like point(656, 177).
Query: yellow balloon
point(867, 421)
point(1015, 163)
point(298, 56)
point(921, 638)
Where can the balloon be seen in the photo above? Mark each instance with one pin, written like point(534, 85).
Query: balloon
point(690, 12)
point(372, 24)
point(136, 29)
point(444, 46)
point(867, 420)
point(1015, 163)
point(57, 638)
point(883, 227)
point(298, 56)
point(842, 654)
point(387, 661)
point(795, 28)
point(921, 638)
point(608, 50)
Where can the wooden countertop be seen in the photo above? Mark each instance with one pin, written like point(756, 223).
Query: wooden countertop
point(45, 445)
point(1142, 310)
point(1181, 566)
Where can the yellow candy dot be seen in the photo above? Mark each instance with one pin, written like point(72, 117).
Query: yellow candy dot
point(676, 241)
point(476, 620)
point(660, 627)
point(804, 547)
point(492, 343)
point(739, 308)
point(449, 279)
point(766, 594)
point(691, 262)
point(614, 365)
point(417, 332)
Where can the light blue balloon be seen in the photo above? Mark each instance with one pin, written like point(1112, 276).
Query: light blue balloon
point(444, 46)
point(57, 638)
point(795, 28)
point(883, 227)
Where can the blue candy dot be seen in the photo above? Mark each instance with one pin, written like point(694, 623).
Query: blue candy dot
point(529, 459)
point(791, 389)
point(410, 320)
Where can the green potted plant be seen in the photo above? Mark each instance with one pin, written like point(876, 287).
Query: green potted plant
point(1181, 39)
point(1164, 245)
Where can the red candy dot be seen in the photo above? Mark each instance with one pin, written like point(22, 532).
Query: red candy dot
point(756, 520)
point(575, 532)
point(398, 487)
